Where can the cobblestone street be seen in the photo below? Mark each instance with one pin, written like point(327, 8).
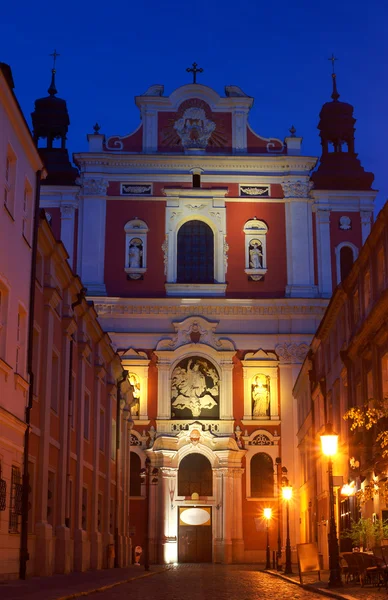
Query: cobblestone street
point(203, 582)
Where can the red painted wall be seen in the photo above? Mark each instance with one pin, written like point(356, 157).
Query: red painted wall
point(118, 213)
point(337, 236)
point(274, 283)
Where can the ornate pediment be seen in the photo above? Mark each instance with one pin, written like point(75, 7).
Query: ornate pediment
point(195, 330)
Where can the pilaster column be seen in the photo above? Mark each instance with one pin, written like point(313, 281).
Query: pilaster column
point(107, 536)
point(239, 130)
point(237, 532)
point(168, 515)
point(92, 234)
point(324, 252)
point(164, 392)
point(67, 229)
point(227, 514)
point(150, 130)
point(226, 389)
point(299, 239)
point(218, 536)
point(366, 223)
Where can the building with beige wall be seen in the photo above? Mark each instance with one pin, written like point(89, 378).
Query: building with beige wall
point(347, 365)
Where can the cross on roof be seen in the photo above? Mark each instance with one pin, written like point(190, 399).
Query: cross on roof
point(54, 55)
point(333, 59)
point(194, 71)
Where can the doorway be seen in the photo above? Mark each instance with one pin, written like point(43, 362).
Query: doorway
point(195, 534)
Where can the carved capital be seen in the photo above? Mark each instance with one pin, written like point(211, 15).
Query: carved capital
point(292, 353)
point(297, 189)
point(94, 187)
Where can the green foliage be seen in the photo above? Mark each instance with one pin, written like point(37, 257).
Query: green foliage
point(366, 533)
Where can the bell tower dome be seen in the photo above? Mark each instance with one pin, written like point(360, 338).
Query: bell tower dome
point(50, 121)
point(339, 167)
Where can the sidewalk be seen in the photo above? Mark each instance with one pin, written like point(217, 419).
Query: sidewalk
point(349, 591)
point(72, 585)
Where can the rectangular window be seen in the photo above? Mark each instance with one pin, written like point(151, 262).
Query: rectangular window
point(31, 472)
point(10, 181)
point(111, 516)
point(113, 444)
point(27, 213)
point(50, 497)
point(15, 505)
point(87, 416)
point(369, 384)
point(73, 393)
point(367, 290)
point(3, 319)
point(55, 384)
point(99, 513)
point(20, 342)
point(384, 375)
point(36, 360)
point(3, 491)
point(84, 508)
point(102, 430)
point(70, 503)
point(356, 306)
point(380, 269)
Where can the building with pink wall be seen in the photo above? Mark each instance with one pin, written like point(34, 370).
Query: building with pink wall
point(20, 167)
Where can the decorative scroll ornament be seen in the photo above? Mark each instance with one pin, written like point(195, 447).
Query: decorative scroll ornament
point(134, 441)
point(262, 190)
point(297, 189)
point(292, 353)
point(95, 187)
point(261, 440)
point(226, 250)
point(195, 330)
point(194, 128)
point(165, 252)
point(135, 190)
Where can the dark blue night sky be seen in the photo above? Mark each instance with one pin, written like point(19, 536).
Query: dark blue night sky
point(276, 52)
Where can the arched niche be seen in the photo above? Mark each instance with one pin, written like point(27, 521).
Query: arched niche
point(195, 475)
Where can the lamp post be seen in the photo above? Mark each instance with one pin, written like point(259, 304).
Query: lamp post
point(329, 441)
point(278, 479)
point(150, 477)
point(267, 515)
point(287, 495)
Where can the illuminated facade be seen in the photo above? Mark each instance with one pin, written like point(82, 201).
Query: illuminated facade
point(210, 254)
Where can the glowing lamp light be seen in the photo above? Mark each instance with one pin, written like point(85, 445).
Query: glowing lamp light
point(267, 513)
point(348, 489)
point(287, 492)
point(329, 441)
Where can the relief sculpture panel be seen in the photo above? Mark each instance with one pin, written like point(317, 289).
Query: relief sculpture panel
point(195, 389)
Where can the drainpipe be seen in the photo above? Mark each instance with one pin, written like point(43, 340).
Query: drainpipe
point(80, 296)
point(24, 556)
point(120, 381)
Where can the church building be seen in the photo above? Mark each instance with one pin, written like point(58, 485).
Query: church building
point(210, 253)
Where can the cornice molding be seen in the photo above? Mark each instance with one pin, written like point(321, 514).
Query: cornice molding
point(124, 307)
point(252, 163)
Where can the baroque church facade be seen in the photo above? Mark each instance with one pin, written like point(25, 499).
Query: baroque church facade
point(210, 254)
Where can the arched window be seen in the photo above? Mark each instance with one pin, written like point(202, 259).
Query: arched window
point(195, 475)
point(262, 476)
point(346, 261)
point(135, 480)
point(195, 260)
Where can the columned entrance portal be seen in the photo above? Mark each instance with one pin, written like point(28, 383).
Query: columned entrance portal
point(195, 534)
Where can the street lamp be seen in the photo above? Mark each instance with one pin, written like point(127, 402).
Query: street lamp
point(329, 441)
point(287, 495)
point(267, 515)
point(149, 476)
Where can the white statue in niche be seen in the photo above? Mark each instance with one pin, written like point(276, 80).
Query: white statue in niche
point(255, 255)
point(260, 396)
point(135, 253)
point(134, 403)
point(195, 386)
